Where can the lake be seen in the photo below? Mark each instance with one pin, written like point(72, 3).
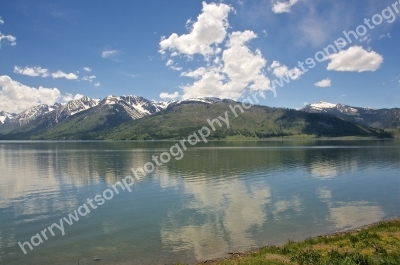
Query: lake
point(220, 197)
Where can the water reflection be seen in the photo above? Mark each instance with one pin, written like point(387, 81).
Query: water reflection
point(355, 214)
point(281, 207)
point(221, 218)
point(324, 170)
point(220, 197)
point(324, 194)
point(349, 215)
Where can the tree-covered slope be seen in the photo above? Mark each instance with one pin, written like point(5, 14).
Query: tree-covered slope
point(180, 120)
point(84, 125)
point(258, 122)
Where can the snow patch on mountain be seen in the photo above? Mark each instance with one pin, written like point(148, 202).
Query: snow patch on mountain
point(31, 114)
point(6, 117)
point(77, 105)
point(111, 100)
point(163, 104)
point(323, 105)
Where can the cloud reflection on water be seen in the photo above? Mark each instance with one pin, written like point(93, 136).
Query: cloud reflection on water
point(226, 214)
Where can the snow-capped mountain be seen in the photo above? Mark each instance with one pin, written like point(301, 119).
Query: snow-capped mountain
point(321, 106)
point(205, 100)
point(32, 114)
point(135, 106)
point(208, 100)
point(326, 107)
point(136, 118)
point(77, 105)
point(63, 111)
point(377, 118)
point(131, 107)
point(138, 107)
point(56, 112)
point(6, 117)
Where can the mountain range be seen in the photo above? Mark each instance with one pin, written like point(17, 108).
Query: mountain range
point(136, 118)
point(135, 107)
point(376, 118)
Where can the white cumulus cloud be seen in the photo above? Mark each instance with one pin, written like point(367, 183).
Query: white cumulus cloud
point(32, 71)
point(210, 28)
point(283, 7)
point(1, 21)
point(60, 74)
point(283, 71)
point(211, 84)
point(355, 59)
point(241, 64)
point(16, 97)
point(228, 67)
point(239, 69)
point(87, 69)
point(324, 83)
point(167, 96)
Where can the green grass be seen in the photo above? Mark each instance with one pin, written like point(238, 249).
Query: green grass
point(376, 244)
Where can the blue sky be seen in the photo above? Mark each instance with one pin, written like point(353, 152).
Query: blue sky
point(161, 50)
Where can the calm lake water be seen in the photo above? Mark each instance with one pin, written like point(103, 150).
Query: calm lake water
point(221, 197)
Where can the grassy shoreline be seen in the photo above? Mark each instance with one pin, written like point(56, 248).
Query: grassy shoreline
point(377, 243)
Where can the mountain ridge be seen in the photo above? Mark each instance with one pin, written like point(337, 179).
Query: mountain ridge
point(376, 118)
point(127, 117)
point(76, 105)
point(136, 118)
point(139, 104)
point(110, 111)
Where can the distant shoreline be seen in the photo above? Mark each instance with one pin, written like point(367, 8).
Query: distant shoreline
point(344, 138)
